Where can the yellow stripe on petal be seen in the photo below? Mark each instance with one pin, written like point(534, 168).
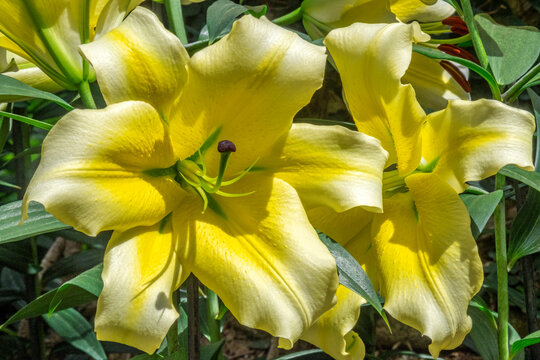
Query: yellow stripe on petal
point(330, 166)
point(261, 255)
point(421, 10)
point(333, 331)
point(251, 83)
point(139, 60)
point(91, 170)
point(140, 273)
point(372, 59)
point(473, 140)
point(428, 262)
point(433, 85)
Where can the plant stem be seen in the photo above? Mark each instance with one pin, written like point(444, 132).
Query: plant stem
point(176, 19)
point(172, 334)
point(502, 274)
point(468, 17)
point(512, 94)
point(289, 18)
point(194, 351)
point(86, 95)
point(212, 311)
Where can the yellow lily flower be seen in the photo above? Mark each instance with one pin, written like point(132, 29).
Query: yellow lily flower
point(147, 167)
point(49, 33)
point(433, 84)
point(420, 253)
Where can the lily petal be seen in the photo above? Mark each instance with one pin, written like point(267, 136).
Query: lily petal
point(433, 85)
point(237, 83)
point(421, 10)
point(372, 59)
point(91, 171)
point(139, 60)
point(262, 257)
point(140, 273)
point(333, 333)
point(428, 263)
point(330, 166)
point(473, 140)
point(108, 14)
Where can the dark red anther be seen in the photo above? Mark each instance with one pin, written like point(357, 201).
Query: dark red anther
point(226, 146)
point(457, 25)
point(457, 51)
point(454, 71)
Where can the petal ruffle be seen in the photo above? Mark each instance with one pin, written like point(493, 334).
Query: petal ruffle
point(333, 331)
point(91, 171)
point(428, 264)
point(139, 60)
point(251, 83)
point(140, 273)
point(421, 10)
point(260, 254)
point(372, 59)
point(473, 140)
point(330, 166)
point(433, 85)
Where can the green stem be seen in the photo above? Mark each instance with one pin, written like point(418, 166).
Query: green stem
point(468, 17)
point(172, 334)
point(176, 19)
point(194, 350)
point(502, 274)
point(512, 94)
point(212, 312)
point(290, 18)
point(86, 95)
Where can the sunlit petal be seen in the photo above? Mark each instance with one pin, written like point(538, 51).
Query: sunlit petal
point(428, 263)
point(473, 140)
point(421, 10)
point(260, 254)
point(140, 272)
point(330, 166)
point(252, 82)
point(91, 172)
point(139, 60)
point(372, 59)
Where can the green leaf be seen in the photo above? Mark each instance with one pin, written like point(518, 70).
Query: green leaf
point(27, 120)
point(480, 208)
point(315, 354)
point(77, 331)
point(511, 50)
point(525, 232)
point(10, 88)
point(211, 351)
point(80, 290)
point(530, 178)
point(351, 274)
point(75, 263)
point(4, 131)
point(39, 222)
point(220, 17)
point(521, 344)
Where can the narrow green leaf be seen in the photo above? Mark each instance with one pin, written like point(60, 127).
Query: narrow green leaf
point(436, 54)
point(315, 354)
point(525, 231)
point(480, 208)
point(521, 344)
point(6, 184)
point(220, 17)
point(211, 351)
point(530, 178)
point(77, 331)
point(39, 222)
point(27, 120)
point(10, 88)
point(80, 290)
point(75, 263)
point(351, 274)
point(511, 50)
point(4, 131)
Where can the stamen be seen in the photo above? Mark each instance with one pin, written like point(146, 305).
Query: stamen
point(225, 147)
point(459, 52)
point(457, 25)
point(456, 74)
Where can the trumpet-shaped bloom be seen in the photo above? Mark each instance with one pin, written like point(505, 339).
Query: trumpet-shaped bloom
point(420, 252)
point(147, 167)
point(49, 33)
point(434, 86)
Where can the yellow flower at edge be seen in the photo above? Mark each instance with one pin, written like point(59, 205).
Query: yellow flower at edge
point(49, 33)
point(419, 253)
point(195, 166)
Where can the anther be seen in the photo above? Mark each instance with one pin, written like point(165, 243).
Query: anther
point(459, 52)
point(456, 74)
point(457, 25)
point(226, 146)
